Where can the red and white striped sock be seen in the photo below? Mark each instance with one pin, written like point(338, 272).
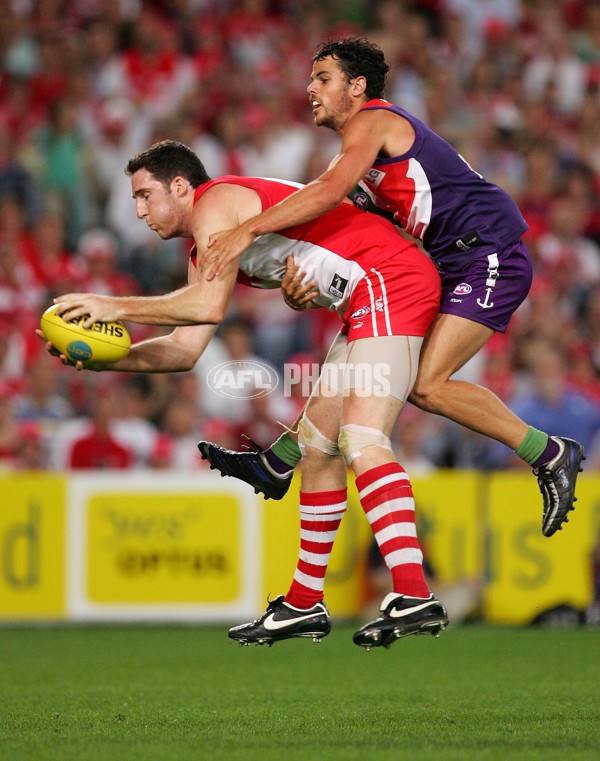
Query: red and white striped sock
point(320, 516)
point(387, 499)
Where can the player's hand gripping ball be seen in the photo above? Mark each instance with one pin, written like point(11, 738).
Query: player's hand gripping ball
point(103, 342)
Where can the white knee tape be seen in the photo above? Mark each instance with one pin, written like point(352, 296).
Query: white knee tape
point(353, 438)
point(310, 436)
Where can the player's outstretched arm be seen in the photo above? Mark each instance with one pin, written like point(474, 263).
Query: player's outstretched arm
point(176, 352)
point(191, 305)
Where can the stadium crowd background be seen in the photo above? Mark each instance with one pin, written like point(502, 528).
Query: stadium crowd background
point(85, 84)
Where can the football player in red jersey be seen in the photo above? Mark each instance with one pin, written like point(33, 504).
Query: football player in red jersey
point(471, 229)
point(386, 292)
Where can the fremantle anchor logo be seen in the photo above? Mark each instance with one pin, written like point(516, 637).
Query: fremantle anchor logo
point(486, 303)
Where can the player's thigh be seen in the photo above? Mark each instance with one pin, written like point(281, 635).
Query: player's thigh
point(450, 343)
point(379, 375)
point(324, 408)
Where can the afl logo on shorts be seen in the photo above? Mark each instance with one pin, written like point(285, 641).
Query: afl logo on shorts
point(462, 289)
point(362, 312)
point(360, 200)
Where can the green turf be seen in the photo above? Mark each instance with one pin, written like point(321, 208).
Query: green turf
point(176, 693)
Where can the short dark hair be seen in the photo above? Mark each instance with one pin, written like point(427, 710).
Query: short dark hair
point(167, 160)
point(358, 58)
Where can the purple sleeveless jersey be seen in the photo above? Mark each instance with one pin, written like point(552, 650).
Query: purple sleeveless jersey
point(470, 228)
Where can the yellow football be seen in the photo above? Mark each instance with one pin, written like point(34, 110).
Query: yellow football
point(103, 342)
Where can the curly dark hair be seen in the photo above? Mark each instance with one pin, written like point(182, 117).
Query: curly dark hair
point(167, 160)
point(358, 58)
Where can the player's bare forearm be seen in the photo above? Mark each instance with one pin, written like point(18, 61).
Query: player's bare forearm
point(307, 203)
point(183, 307)
point(199, 303)
point(165, 354)
point(327, 191)
point(176, 352)
point(178, 308)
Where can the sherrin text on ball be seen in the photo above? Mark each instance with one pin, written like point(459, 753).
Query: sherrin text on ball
point(102, 342)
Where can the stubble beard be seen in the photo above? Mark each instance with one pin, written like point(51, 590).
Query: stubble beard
point(327, 121)
point(336, 119)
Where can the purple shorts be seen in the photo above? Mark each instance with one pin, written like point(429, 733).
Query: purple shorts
point(489, 289)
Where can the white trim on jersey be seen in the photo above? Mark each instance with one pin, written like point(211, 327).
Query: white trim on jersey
point(420, 212)
point(291, 183)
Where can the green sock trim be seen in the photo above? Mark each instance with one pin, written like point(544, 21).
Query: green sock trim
point(532, 445)
point(287, 450)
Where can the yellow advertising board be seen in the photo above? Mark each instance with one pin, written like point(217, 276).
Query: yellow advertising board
point(527, 573)
point(161, 546)
point(195, 547)
point(32, 547)
point(450, 512)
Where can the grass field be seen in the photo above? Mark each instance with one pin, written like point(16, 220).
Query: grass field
point(177, 693)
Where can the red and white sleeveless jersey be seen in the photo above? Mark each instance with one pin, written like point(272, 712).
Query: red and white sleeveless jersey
point(335, 250)
point(379, 282)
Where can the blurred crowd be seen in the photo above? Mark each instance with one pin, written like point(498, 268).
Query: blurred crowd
point(85, 84)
